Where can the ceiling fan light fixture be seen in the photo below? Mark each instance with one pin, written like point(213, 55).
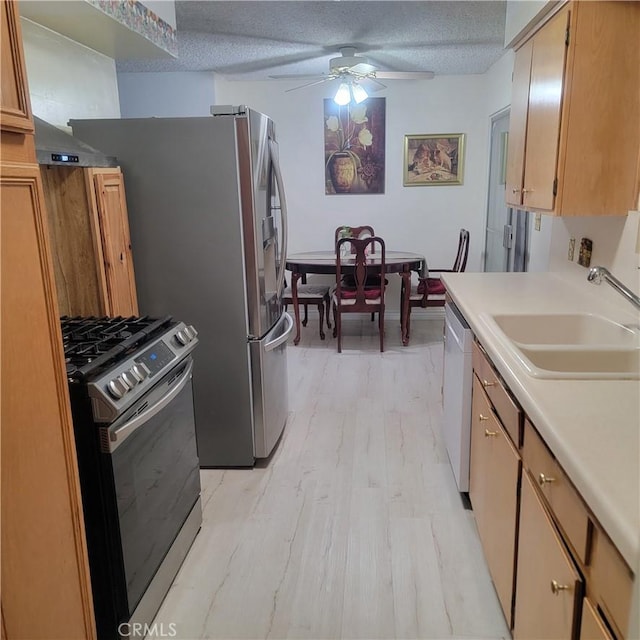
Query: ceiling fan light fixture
point(343, 94)
point(359, 93)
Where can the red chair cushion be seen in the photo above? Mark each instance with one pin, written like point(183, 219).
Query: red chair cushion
point(369, 294)
point(434, 287)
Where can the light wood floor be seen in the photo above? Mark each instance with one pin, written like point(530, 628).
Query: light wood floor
point(354, 527)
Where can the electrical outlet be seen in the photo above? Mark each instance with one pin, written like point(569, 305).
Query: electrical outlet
point(537, 221)
point(572, 249)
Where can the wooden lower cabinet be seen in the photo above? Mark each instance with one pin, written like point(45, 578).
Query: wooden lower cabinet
point(493, 491)
point(592, 627)
point(90, 240)
point(46, 593)
point(548, 586)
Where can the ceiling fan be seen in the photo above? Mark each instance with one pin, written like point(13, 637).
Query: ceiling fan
point(353, 71)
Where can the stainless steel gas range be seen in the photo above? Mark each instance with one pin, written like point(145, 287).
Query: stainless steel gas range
point(132, 404)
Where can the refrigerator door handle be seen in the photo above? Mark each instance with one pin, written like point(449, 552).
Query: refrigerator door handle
point(507, 236)
point(273, 152)
point(274, 344)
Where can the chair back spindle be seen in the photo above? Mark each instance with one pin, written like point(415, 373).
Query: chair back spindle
point(363, 293)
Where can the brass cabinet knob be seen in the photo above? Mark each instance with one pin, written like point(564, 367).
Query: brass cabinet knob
point(486, 383)
point(556, 587)
point(515, 190)
point(482, 418)
point(542, 479)
point(490, 434)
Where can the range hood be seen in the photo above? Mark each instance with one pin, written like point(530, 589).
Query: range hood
point(55, 146)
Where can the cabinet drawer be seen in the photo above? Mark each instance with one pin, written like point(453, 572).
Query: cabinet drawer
point(611, 581)
point(506, 408)
point(565, 503)
point(592, 626)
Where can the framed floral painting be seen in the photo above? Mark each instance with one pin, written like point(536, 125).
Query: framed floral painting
point(354, 147)
point(434, 159)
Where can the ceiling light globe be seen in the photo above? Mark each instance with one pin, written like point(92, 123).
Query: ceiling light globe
point(343, 95)
point(359, 93)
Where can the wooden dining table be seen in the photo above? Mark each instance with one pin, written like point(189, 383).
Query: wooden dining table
point(324, 262)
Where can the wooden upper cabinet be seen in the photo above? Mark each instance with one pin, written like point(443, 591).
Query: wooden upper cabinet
point(116, 242)
point(582, 126)
point(518, 124)
point(89, 230)
point(15, 106)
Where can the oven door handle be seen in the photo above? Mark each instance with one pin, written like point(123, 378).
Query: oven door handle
point(117, 437)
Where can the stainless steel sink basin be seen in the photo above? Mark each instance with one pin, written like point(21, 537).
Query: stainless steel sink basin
point(566, 329)
point(570, 346)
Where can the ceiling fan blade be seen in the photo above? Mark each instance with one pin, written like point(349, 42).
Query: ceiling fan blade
point(371, 84)
point(309, 84)
point(299, 76)
point(405, 75)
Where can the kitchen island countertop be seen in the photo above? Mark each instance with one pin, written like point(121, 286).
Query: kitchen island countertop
point(591, 426)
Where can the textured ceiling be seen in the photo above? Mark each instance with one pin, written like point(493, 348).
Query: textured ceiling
point(252, 40)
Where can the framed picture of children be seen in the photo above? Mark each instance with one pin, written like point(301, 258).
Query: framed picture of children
point(433, 159)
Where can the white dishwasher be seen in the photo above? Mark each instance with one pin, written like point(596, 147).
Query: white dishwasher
point(456, 393)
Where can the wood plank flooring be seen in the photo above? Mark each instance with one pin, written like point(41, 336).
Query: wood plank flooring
point(354, 527)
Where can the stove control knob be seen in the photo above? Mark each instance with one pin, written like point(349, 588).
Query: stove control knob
point(139, 372)
point(117, 388)
point(129, 379)
point(183, 338)
point(191, 332)
point(125, 383)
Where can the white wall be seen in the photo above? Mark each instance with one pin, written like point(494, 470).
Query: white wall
point(425, 220)
point(614, 247)
point(521, 15)
point(166, 94)
point(498, 83)
point(66, 79)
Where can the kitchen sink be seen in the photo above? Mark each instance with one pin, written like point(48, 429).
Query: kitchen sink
point(570, 345)
point(566, 329)
point(582, 363)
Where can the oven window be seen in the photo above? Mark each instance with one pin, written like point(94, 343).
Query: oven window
point(157, 482)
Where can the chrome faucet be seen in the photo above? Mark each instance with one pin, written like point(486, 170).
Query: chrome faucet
point(596, 274)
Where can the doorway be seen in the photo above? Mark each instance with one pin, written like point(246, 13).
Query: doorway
point(507, 230)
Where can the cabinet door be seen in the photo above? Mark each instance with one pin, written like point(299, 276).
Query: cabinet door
point(592, 627)
point(45, 578)
point(518, 124)
point(75, 240)
point(548, 586)
point(600, 137)
point(15, 106)
point(493, 490)
point(116, 242)
point(543, 120)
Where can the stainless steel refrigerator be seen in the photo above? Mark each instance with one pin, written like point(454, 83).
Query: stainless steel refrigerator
point(208, 227)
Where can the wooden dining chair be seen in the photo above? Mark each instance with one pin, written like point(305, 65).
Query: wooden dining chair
point(353, 232)
point(309, 294)
point(364, 231)
point(362, 296)
point(430, 291)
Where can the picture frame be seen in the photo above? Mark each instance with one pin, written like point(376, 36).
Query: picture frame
point(354, 147)
point(434, 159)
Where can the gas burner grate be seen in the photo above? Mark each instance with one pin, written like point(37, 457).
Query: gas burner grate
point(92, 344)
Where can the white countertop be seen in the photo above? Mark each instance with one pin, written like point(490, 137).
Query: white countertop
point(591, 426)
